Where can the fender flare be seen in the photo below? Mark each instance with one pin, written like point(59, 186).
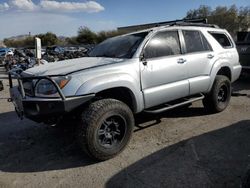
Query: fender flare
point(102, 83)
point(216, 68)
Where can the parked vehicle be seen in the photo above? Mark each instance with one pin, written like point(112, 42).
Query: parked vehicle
point(149, 71)
point(19, 60)
point(4, 51)
point(243, 47)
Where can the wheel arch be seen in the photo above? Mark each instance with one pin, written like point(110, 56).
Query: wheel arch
point(123, 94)
point(220, 68)
point(225, 71)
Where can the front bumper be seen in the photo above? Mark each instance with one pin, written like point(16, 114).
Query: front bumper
point(44, 109)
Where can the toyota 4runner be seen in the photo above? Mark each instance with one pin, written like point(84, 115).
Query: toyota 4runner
point(151, 71)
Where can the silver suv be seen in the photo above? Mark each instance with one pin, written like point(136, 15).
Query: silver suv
point(152, 70)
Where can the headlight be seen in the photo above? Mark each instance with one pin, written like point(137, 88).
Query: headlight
point(45, 88)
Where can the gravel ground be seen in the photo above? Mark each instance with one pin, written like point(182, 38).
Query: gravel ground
point(179, 148)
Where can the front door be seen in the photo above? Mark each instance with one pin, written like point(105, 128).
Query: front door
point(163, 70)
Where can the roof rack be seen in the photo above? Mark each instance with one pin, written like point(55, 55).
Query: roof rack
point(193, 22)
point(201, 22)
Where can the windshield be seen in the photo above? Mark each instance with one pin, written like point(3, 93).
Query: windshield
point(119, 47)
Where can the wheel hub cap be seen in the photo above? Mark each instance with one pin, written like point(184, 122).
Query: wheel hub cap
point(112, 131)
point(222, 94)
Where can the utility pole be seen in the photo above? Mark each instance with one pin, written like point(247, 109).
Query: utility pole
point(38, 50)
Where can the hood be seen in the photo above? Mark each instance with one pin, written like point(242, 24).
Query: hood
point(69, 66)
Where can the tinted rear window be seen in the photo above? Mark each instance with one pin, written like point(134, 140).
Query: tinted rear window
point(222, 39)
point(195, 41)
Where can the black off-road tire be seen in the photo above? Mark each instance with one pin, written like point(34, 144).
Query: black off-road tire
point(219, 97)
point(105, 128)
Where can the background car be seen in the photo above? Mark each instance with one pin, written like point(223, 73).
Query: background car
point(243, 47)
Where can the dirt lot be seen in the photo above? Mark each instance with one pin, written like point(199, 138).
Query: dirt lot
point(180, 148)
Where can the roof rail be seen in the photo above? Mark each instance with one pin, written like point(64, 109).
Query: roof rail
point(202, 22)
point(194, 24)
point(195, 20)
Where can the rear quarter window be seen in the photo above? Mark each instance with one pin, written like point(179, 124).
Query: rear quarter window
point(222, 39)
point(195, 41)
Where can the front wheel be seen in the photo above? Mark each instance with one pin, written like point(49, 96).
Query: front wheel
point(218, 98)
point(105, 128)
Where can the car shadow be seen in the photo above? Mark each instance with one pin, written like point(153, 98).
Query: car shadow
point(155, 119)
point(30, 147)
point(219, 158)
point(241, 85)
point(26, 146)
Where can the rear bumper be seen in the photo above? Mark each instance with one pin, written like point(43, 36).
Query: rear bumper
point(236, 72)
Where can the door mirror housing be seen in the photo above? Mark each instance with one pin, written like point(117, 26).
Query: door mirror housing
point(142, 57)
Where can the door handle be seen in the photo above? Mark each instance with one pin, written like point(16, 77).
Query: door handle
point(144, 62)
point(210, 56)
point(181, 61)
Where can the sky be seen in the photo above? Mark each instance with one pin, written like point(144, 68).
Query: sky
point(64, 17)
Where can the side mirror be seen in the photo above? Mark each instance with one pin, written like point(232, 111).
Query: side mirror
point(142, 57)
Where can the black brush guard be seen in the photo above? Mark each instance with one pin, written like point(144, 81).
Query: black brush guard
point(43, 109)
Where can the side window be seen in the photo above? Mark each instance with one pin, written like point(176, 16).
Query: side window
point(206, 45)
point(222, 39)
point(195, 41)
point(163, 44)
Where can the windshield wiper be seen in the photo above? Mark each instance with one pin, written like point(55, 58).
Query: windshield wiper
point(103, 55)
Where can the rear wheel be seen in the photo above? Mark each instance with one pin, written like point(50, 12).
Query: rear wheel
point(218, 98)
point(105, 128)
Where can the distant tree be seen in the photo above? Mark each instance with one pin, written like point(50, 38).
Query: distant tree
point(202, 12)
point(17, 43)
point(71, 41)
point(7, 42)
point(86, 36)
point(231, 18)
point(103, 35)
point(244, 18)
point(48, 39)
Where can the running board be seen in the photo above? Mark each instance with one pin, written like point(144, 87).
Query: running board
point(178, 104)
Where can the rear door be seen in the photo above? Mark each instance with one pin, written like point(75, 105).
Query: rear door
point(200, 59)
